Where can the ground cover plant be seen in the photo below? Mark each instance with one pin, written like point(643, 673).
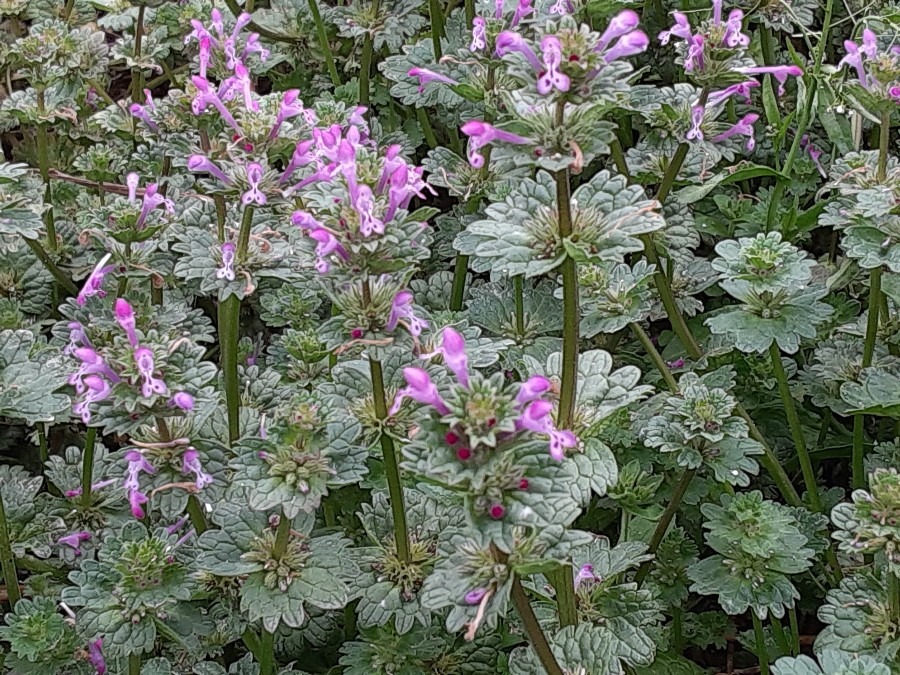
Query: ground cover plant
point(391, 337)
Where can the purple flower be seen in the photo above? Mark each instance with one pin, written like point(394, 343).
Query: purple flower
point(207, 97)
point(870, 44)
point(780, 73)
point(622, 23)
point(300, 157)
point(96, 389)
point(152, 199)
point(733, 36)
point(94, 283)
point(137, 464)
point(536, 417)
point(475, 596)
point(177, 525)
point(363, 202)
point(203, 164)
point(291, 106)
point(91, 364)
point(125, 318)
point(419, 388)
point(99, 485)
point(744, 127)
point(95, 656)
point(551, 77)
point(697, 114)
point(253, 45)
point(242, 79)
point(498, 9)
point(453, 349)
point(717, 12)
point(562, 7)
point(77, 338)
point(141, 113)
point(510, 41)
point(132, 180)
point(182, 400)
point(327, 245)
point(254, 177)
point(585, 575)
point(677, 363)
point(425, 76)
point(532, 388)
point(741, 89)
point(143, 357)
point(523, 9)
point(479, 35)
point(226, 271)
point(402, 308)
point(814, 154)
point(680, 29)
point(190, 463)
point(74, 540)
point(693, 60)
point(633, 43)
point(853, 58)
point(481, 134)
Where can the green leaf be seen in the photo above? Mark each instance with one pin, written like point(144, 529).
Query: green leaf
point(695, 193)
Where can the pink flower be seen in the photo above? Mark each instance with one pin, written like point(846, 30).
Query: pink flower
point(741, 89)
point(95, 389)
point(536, 417)
point(681, 29)
point(453, 350)
point(254, 177)
point(523, 9)
point(551, 77)
point(475, 596)
point(780, 73)
point(327, 244)
point(733, 35)
point(402, 308)
point(152, 199)
point(202, 164)
point(633, 43)
point(94, 283)
point(141, 113)
point(143, 357)
point(694, 58)
point(425, 76)
point(744, 127)
point(481, 134)
point(125, 318)
point(291, 106)
point(191, 464)
point(622, 23)
point(137, 464)
point(419, 388)
point(182, 400)
point(74, 540)
point(301, 157)
point(697, 114)
point(226, 271)
point(510, 41)
point(585, 575)
point(95, 656)
point(532, 388)
point(479, 35)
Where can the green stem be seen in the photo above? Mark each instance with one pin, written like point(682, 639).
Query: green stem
point(460, 270)
point(795, 631)
point(243, 242)
point(87, 466)
point(470, 11)
point(623, 527)
point(563, 581)
point(655, 356)
point(894, 596)
point(67, 11)
point(365, 67)
point(43, 450)
point(781, 638)
point(806, 467)
point(677, 630)
point(668, 179)
point(391, 466)
point(859, 432)
point(8, 560)
point(101, 92)
point(282, 537)
point(67, 284)
point(618, 157)
point(532, 628)
point(134, 664)
point(427, 131)
point(43, 154)
point(229, 316)
point(665, 520)
point(324, 44)
point(266, 656)
point(195, 513)
point(760, 644)
point(137, 73)
point(884, 141)
point(770, 461)
point(519, 294)
point(437, 26)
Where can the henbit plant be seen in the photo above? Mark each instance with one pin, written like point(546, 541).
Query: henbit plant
point(398, 337)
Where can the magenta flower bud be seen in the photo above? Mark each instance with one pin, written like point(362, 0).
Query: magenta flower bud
point(140, 112)
point(744, 127)
point(532, 388)
point(94, 283)
point(203, 164)
point(191, 464)
point(226, 271)
point(633, 43)
point(425, 76)
point(143, 357)
point(74, 540)
point(479, 35)
point(623, 22)
point(680, 29)
point(510, 41)
point(291, 106)
point(125, 318)
point(585, 574)
point(697, 114)
point(717, 12)
point(733, 35)
point(402, 308)
point(474, 597)
point(498, 9)
point(419, 388)
point(780, 73)
point(497, 511)
point(551, 77)
point(254, 177)
point(95, 656)
point(182, 400)
point(481, 134)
